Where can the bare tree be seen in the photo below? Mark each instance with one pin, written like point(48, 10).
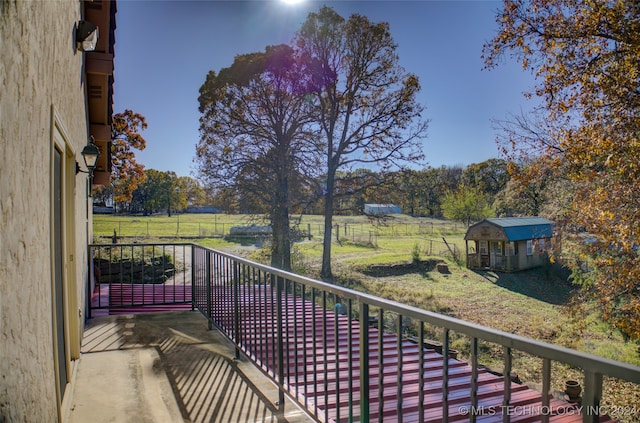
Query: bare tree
point(256, 137)
point(365, 102)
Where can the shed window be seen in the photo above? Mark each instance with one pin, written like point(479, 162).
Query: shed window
point(529, 247)
point(510, 249)
point(483, 246)
point(541, 245)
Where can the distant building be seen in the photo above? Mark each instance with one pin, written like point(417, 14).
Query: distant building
point(382, 209)
point(203, 209)
point(508, 244)
point(103, 210)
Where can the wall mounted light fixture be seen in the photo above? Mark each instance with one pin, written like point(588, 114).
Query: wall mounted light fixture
point(86, 36)
point(90, 154)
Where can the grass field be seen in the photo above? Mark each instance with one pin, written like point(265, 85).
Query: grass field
point(209, 225)
point(539, 303)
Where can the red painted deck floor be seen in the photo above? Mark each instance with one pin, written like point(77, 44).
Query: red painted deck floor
point(317, 372)
point(139, 298)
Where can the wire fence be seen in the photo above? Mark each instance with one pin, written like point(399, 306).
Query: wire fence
point(182, 227)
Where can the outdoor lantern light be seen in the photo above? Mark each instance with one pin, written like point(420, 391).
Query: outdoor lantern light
point(86, 36)
point(90, 154)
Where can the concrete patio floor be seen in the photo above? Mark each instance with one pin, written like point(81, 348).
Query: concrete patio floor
point(168, 367)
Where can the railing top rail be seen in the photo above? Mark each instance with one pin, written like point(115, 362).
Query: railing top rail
point(586, 361)
point(145, 244)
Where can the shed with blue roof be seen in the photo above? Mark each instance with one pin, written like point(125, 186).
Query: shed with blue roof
point(509, 243)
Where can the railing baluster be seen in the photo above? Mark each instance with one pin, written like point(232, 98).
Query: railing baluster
point(241, 328)
point(474, 380)
point(193, 278)
point(506, 403)
point(445, 376)
point(421, 373)
point(286, 323)
point(350, 354)
point(209, 284)
point(262, 318)
point(279, 324)
point(364, 361)
point(274, 324)
point(591, 396)
point(546, 388)
point(336, 341)
point(315, 352)
point(324, 355)
point(131, 274)
point(400, 399)
point(304, 350)
point(380, 363)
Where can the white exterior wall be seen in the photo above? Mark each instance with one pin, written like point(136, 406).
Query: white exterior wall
point(41, 87)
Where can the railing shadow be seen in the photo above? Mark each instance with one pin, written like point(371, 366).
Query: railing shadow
point(209, 384)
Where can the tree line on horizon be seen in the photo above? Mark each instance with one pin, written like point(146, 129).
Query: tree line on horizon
point(430, 192)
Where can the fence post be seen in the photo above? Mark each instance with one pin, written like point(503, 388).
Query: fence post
point(337, 232)
point(364, 361)
point(309, 231)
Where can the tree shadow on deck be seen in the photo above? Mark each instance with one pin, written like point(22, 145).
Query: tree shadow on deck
point(548, 283)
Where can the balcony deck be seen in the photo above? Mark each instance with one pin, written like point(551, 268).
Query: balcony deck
point(332, 361)
point(196, 369)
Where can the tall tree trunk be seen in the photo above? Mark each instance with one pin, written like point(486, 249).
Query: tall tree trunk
point(325, 272)
point(281, 235)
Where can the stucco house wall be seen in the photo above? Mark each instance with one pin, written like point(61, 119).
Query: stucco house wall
point(42, 108)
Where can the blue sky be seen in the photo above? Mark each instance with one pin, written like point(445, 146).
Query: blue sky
point(164, 50)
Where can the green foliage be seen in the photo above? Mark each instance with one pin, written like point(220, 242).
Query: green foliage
point(585, 55)
point(415, 253)
point(161, 191)
point(466, 205)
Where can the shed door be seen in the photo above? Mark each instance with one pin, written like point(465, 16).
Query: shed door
point(496, 254)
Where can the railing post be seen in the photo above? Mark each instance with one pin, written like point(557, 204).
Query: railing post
point(90, 286)
point(280, 348)
point(364, 361)
point(207, 280)
point(591, 397)
point(193, 277)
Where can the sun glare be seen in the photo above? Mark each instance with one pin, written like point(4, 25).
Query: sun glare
point(292, 1)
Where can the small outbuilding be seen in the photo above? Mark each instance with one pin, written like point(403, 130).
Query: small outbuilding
point(508, 244)
point(382, 209)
